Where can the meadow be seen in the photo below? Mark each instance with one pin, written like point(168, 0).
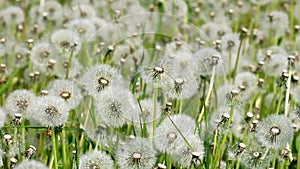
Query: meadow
point(149, 84)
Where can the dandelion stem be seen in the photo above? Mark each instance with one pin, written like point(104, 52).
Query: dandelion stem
point(69, 63)
point(274, 159)
point(279, 102)
point(298, 161)
point(64, 147)
point(210, 89)
point(215, 142)
point(185, 140)
point(54, 148)
point(287, 95)
point(237, 58)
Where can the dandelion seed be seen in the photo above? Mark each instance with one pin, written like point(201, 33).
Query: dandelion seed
point(187, 156)
point(115, 106)
point(67, 90)
point(15, 146)
point(53, 10)
point(206, 59)
point(229, 43)
point(21, 56)
point(100, 77)
point(183, 86)
point(84, 27)
point(220, 120)
point(253, 158)
point(233, 98)
point(2, 117)
point(168, 138)
point(146, 115)
point(51, 111)
point(95, 159)
point(64, 39)
point(275, 65)
point(13, 15)
point(20, 101)
point(246, 83)
point(137, 153)
point(62, 65)
point(158, 74)
point(275, 131)
point(31, 164)
point(41, 54)
point(275, 24)
point(100, 134)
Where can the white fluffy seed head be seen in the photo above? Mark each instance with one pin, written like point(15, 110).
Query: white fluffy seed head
point(51, 111)
point(20, 102)
point(67, 90)
point(115, 106)
point(95, 159)
point(274, 131)
point(136, 153)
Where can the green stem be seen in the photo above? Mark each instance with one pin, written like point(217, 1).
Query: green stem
point(287, 95)
point(54, 148)
point(237, 58)
point(210, 89)
point(279, 102)
point(274, 159)
point(64, 147)
point(185, 140)
point(69, 63)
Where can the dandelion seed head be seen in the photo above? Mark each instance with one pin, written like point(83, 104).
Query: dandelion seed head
point(51, 111)
point(13, 15)
point(62, 65)
point(158, 74)
point(275, 65)
point(168, 138)
point(41, 54)
point(53, 10)
point(67, 90)
point(187, 156)
point(115, 106)
point(31, 164)
point(277, 22)
point(206, 59)
point(84, 27)
point(20, 101)
point(215, 31)
point(275, 131)
point(136, 153)
point(63, 40)
point(99, 78)
point(253, 158)
point(95, 159)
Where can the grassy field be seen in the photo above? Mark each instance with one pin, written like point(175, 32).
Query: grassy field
point(138, 84)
